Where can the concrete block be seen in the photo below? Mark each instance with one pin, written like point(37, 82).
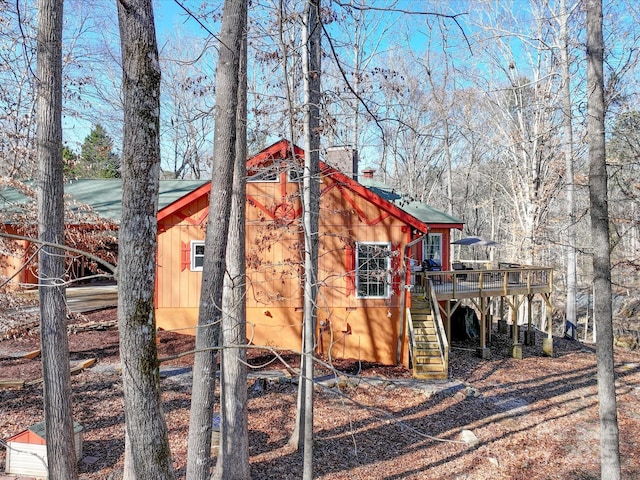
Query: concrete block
point(516, 351)
point(547, 346)
point(484, 353)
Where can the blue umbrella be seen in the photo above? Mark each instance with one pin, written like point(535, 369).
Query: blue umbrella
point(475, 242)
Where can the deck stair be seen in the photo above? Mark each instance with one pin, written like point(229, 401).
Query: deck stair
point(429, 361)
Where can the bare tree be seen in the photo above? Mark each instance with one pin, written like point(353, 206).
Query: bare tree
point(210, 312)
point(609, 435)
point(567, 122)
point(147, 445)
point(233, 457)
point(311, 66)
point(188, 99)
point(53, 322)
point(18, 90)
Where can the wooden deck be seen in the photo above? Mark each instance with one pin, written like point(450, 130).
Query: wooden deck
point(512, 286)
point(503, 282)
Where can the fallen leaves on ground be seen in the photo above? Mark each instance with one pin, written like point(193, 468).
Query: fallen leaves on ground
point(535, 418)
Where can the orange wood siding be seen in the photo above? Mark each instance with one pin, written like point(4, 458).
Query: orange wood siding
point(12, 263)
point(348, 327)
point(177, 286)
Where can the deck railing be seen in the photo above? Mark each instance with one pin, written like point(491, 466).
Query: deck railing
point(501, 281)
point(440, 331)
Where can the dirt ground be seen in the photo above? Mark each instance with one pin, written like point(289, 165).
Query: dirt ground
point(535, 418)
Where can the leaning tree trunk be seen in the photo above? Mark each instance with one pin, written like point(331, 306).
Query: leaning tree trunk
point(53, 321)
point(233, 457)
point(602, 310)
point(213, 270)
point(146, 429)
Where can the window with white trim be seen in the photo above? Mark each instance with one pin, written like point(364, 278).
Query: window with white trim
point(433, 247)
point(197, 255)
point(373, 264)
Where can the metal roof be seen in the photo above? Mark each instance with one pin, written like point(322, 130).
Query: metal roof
point(104, 196)
point(419, 210)
point(40, 429)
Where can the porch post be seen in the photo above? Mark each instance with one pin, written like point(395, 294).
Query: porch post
point(547, 343)
point(483, 351)
point(516, 348)
point(529, 335)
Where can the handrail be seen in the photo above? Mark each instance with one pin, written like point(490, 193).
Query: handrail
point(437, 320)
point(411, 335)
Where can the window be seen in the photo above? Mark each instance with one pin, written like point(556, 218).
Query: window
point(373, 264)
point(295, 173)
point(269, 173)
point(197, 255)
point(433, 247)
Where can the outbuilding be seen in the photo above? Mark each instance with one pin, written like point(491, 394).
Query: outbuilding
point(27, 451)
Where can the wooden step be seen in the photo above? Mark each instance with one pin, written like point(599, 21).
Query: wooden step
point(443, 375)
point(434, 367)
point(431, 360)
point(424, 353)
point(424, 324)
point(425, 338)
point(423, 329)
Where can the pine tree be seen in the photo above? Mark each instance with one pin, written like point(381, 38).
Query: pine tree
point(96, 159)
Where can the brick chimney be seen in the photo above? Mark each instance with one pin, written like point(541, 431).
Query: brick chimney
point(368, 172)
point(343, 158)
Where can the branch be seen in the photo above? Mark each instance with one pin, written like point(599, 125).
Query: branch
point(207, 29)
point(24, 265)
point(107, 265)
point(453, 17)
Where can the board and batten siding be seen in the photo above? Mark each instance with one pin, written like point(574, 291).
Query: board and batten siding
point(348, 326)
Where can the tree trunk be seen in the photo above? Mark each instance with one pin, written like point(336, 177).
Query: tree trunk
point(233, 457)
point(311, 67)
point(609, 436)
point(145, 423)
point(210, 313)
point(53, 322)
point(572, 277)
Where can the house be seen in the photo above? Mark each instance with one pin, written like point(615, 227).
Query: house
point(93, 205)
point(27, 451)
point(368, 234)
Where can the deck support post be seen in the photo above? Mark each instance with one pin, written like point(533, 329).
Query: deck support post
point(547, 343)
point(492, 313)
point(448, 327)
point(516, 351)
point(514, 320)
point(502, 326)
point(502, 322)
point(530, 334)
point(483, 324)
